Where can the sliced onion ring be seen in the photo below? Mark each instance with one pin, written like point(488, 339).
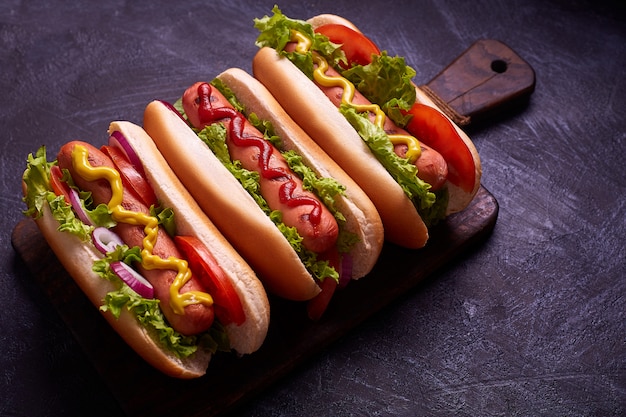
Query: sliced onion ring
point(118, 140)
point(105, 240)
point(78, 207)
point(133, 279)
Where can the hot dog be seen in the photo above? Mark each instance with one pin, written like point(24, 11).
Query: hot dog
point(411, 160)
point(142, 251)
point(307, 223)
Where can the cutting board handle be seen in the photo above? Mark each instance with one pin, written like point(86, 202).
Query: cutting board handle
point(488, 77)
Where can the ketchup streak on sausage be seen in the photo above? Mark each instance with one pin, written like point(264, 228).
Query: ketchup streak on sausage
point(287, 190)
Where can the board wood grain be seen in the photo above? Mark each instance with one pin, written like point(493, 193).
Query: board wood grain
point(292, 338)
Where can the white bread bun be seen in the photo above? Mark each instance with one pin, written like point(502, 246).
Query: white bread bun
point(331, 19)
point(458, 198)
point(361, 215)
point(317, 115)
point(229, 206)
point(78, 257)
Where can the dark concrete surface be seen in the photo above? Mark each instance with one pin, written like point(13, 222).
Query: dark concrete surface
point(531, 323)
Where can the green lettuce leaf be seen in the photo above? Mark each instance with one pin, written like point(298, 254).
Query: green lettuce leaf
point(325, 188)
point(165, 217)
point(386, 81)
point(275, 32)
point(431, 210)
point(227, 93)
point(148, 312)
point(68, 222)
point(37, 180)
point(39, 193)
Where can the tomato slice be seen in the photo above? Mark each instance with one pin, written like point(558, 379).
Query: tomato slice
point(59, 187)
point(131, 177)
point(227, 305)
point(357, 47)
point(436, 131)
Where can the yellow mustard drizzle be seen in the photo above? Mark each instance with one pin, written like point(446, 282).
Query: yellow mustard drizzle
point(178, 301)
point(303, 44)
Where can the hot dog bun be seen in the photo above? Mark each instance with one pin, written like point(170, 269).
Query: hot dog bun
point(218, 192)
point(319, 117)
point(458, 198)
point(252, 232)
point(78, 257)
point(363, 218)
point(191, 221)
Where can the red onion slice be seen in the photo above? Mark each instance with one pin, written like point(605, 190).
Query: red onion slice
point(78, 207)
point(105, 240)
point(133, 279)
point(345, 275)
point(118, 140)
point(173, 109)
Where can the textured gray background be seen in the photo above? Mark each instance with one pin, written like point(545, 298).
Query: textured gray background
point(532, 323)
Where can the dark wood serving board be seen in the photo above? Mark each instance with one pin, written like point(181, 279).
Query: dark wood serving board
point(291, 339)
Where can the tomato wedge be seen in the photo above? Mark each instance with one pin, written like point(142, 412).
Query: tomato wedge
point(59, 187)
point(131, 177)
point(436, 131)
point(227, 305)
point(357, 47)
point(317, 306)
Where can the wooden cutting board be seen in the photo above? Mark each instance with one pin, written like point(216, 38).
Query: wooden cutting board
point(291, 339)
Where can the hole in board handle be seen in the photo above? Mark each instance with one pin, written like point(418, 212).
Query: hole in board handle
point(498, 66)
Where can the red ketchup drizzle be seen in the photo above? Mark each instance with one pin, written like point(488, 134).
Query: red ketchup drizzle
point(287, 196)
